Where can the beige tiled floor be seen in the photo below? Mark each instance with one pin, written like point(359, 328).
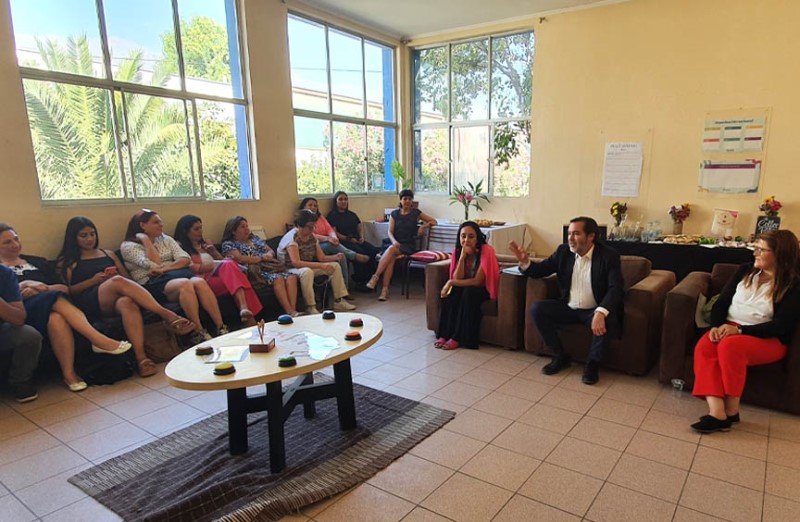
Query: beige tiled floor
point(524, 446)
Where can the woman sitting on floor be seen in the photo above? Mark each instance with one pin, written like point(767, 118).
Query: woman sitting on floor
point(223, 275)
point(49, 311)
point(247, 248)
point(299, 249)
point(403, 231)
point(474, 278)
point(157, 262)
point(752, 323)
point(101, 287)
point(350, 232)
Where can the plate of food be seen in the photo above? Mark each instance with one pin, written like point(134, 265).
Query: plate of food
point(498, 223)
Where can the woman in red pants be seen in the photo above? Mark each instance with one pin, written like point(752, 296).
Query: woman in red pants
point(752, 323)
point(223, 275)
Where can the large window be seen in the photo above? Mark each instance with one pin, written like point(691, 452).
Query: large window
point(344, 117)
point(132, 100)
point(472, 114)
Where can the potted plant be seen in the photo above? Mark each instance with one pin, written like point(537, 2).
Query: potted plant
point(401, 177)
point(469, 195)
point(679, 214)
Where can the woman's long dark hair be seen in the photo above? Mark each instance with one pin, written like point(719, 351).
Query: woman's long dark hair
point(70, 250)
point(185, 223)
point(786, 250)
point(134, 225)
point(230, 228)
point(478, 234)
point(305, 202)
point(336, 196)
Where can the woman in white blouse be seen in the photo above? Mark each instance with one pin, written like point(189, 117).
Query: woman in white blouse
point(157, 262)
point(752, 323)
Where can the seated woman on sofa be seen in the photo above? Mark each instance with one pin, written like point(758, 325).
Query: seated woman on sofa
point(49, 311)
point(300, 250)
point(329, 240)
point(474, 278)
point(100, 286)
point(752, 322)
point(157, 262)
point(247, 248)
point(403, 231)
point(350, 232)
point(223, 275)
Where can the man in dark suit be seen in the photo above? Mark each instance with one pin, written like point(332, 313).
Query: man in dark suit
point(590, 279)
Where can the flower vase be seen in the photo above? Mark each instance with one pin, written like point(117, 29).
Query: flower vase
point(677, 228)
point(466, 213)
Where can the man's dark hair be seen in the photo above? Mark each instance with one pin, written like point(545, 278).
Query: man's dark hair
point(589, 226)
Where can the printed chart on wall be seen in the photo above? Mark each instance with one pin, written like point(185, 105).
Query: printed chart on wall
point(622, 169)
point(734, 135)
point(730, 176)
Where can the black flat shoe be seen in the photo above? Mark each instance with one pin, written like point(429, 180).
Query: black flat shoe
point(733, 418)
point(709, 424)
point(590, 373)
point(558, 363)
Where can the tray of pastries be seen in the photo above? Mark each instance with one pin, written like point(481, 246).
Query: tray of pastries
point(682, 239)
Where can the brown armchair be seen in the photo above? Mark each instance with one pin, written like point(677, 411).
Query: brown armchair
point(775, 385)
point(636, 350)
point(502, 317)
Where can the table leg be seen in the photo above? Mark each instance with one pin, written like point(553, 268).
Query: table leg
point(277, 447)
point(237, 420)
point(344, 395)
point(309, 407)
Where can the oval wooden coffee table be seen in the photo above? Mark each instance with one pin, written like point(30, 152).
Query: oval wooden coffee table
point(315, 342)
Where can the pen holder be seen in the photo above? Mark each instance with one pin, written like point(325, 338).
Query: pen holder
point(262, 347)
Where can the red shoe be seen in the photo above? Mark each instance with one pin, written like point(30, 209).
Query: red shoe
point(438, 343)
point(452, 344)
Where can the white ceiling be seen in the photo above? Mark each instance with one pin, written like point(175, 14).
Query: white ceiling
point(406, 19)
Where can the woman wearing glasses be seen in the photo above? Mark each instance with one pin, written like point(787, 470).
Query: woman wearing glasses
point(752, 323)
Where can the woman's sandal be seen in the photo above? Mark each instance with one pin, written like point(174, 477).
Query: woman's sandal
point(180, 326)
point(247, 317)
point(451, 344)
point(384, 294)
point(373, 282)
point(439, 343)
point(147, 368)
point(76, 386)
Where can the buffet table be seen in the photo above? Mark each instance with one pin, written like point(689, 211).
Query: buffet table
point(682, 259)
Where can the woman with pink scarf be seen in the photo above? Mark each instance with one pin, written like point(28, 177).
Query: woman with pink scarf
point(474, 278)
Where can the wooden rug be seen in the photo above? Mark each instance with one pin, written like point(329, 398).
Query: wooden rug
point(190, 476)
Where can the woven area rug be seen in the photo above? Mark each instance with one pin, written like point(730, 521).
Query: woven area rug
point(189, 475)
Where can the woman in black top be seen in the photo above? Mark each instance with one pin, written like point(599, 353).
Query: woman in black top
point(404, 228)
point(49, 311)
point(350, 232)
point(100, 285)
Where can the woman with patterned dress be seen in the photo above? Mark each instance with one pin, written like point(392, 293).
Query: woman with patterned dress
point(247, 248)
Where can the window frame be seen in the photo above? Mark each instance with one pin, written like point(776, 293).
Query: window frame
point(190, 99)
point(331, 118)
point(453, 124)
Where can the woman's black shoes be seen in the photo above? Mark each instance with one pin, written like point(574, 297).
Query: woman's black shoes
point(733, 418)
point(709, 424)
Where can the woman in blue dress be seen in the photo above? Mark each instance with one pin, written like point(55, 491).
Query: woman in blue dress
point(404, 228)
point(49, 311)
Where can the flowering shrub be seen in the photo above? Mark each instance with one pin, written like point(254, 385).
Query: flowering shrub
point(618, 211)
point(469, 195)
point(679, 213)
point(770, 206)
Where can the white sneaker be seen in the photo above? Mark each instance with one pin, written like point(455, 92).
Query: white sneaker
point(340, 305)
